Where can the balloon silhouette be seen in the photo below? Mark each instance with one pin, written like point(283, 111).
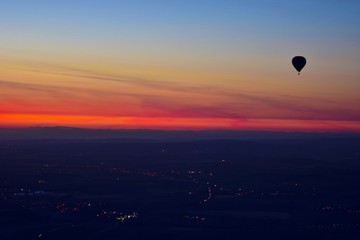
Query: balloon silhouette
point(299, 62)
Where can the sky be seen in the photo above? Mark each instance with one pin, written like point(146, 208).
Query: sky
point(180, 64)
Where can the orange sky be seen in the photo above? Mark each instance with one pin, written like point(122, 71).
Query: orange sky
point(208, 67)
point(20, 120)
point(34, 95)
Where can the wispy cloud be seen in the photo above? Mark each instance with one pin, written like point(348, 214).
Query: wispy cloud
point(225, 103)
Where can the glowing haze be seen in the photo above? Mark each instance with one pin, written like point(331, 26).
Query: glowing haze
point(180, 64)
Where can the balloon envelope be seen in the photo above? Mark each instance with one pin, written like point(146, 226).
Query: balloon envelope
point(299, 62)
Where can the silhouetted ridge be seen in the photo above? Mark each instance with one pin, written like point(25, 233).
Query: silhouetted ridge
point(173, 135)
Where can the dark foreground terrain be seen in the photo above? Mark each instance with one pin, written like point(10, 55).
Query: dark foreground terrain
point(201, 189)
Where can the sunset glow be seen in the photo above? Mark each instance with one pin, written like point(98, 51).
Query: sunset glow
point(180, 65)
point(16, 120)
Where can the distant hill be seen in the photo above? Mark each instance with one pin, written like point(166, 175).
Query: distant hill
point(144, 134)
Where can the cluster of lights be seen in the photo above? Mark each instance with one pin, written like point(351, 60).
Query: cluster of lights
point(127, 217)
point(197, 218)
point(119, 216)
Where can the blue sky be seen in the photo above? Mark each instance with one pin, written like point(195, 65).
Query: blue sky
point(243, 46)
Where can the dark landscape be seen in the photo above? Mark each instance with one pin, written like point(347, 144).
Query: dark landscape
point(257, 185)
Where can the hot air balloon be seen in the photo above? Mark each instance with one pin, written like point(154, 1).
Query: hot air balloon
point(299, 62)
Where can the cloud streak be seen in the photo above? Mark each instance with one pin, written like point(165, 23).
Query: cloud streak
point(223, 103)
